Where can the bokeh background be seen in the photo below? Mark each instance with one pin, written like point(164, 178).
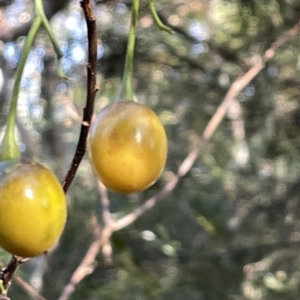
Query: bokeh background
point(230, 229)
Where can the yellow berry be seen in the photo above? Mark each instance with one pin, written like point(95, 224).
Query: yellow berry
point(32, 210)
point(127, 146)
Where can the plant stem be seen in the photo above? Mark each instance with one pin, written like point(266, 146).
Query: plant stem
point(39, 10)
point(10, 148)
point(156, 18)
point(92, 89)
point(7, 273)
point(126, 92)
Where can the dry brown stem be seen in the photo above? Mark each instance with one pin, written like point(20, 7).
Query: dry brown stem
point(7, 273)
point(92, 89)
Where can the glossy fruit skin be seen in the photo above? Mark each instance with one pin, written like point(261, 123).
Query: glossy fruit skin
point(33, 210)
point(127, 146)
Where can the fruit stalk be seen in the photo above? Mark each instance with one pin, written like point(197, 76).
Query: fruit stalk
point(9, 147)
point(126, 92)
point(39, 10)
point(156, 18)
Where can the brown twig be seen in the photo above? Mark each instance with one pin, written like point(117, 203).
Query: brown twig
point(25, 286)
point(8, 272)
point(92, 89)
point(85, 266)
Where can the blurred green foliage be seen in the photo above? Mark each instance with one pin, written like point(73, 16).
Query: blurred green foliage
point(230, 229)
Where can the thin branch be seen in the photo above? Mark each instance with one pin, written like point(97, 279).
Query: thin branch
point(96, 229)
point(87, 263)
point(92, 89)
point(105, 204)
point(108, 222)
point(135, 214)
point(28, 288)
point(101, 241)
point(85, 268)
point(8, 272)
point(226, 54)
